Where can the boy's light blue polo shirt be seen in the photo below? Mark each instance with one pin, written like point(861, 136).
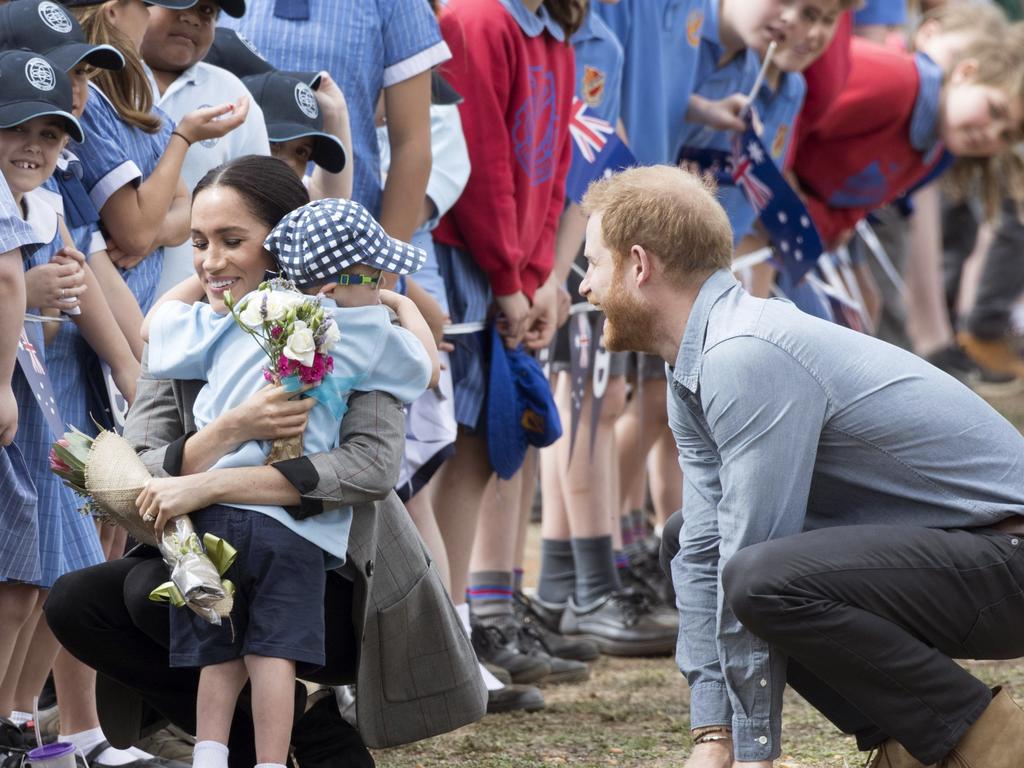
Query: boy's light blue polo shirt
point(599, 63)
point(778, 110)
point(14, 232)
point(366, 46)
point(661, 39)
point(191, 341)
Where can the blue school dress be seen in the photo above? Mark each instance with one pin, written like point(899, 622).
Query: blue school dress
point(68, 540)
point(116, 154)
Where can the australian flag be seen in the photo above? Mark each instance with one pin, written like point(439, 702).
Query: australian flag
point(39, 382)
point(795, 240)
point(596, 151)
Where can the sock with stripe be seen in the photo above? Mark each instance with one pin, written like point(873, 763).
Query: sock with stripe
point(490, 593)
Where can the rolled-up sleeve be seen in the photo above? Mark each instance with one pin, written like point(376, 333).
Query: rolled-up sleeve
point(767, 448)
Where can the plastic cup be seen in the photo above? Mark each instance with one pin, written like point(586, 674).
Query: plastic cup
point(60, 754)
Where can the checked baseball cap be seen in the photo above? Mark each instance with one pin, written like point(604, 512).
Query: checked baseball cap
point(234, 52)
point(30, 87)
point(316, 242)
point(45, 27)
point(291, 111)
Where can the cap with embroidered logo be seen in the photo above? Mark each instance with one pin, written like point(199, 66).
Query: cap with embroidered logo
point(31, 86)
point(47, 28)
point(234, 8)
point(291, 111)
point(322, 238)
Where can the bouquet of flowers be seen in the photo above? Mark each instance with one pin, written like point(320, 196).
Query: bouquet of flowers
point(110, 475)
point(296, 334)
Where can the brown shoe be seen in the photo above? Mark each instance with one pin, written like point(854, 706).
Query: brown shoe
point(996, 355)
point(891, 754)
point(995, 740)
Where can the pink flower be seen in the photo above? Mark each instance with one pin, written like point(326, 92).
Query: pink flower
point(268, 375)
point(55, 463)
point(276, 331)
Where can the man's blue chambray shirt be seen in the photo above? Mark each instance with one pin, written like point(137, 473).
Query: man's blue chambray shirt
point(785, 423)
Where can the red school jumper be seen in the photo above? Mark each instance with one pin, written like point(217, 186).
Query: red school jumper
point(517, 93)
point(858, 156)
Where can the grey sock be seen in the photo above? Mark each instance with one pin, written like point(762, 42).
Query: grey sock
point(557, 571)
point(490, 593)
point(639, 524)
point(596, 575)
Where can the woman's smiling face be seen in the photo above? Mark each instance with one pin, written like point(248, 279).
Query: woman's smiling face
point(227, 245)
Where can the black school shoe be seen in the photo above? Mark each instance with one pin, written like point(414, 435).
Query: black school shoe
point(513, 698)
point(322, 739)
point(13, 745)
point(622, 623)
point(496, 642)
point(543, 619)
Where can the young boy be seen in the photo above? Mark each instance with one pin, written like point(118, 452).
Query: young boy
point(192, 341)
point(175, 44)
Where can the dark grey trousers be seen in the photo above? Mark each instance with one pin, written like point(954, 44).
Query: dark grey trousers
point(872, 617)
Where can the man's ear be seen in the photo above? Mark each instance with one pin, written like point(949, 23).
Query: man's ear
point(641, 264)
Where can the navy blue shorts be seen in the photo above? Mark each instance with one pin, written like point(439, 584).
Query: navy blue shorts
point(279, 595)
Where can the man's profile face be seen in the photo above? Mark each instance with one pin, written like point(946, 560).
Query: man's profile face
point(609, 287)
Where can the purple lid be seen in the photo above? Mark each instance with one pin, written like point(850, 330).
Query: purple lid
point(51, 751)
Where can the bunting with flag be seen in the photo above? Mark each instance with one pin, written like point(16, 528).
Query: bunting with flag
point(596, 150)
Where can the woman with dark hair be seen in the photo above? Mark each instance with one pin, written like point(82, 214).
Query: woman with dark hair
point(103, 616)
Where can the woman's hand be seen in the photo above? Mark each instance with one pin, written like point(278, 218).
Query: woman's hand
point(57, 284)
point(213, 122)
point(270, 414)
point(164, 498)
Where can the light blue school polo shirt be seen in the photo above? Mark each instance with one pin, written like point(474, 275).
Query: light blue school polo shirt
point(14, 232)
point(366, 46)
point(661, 39)
point(599, 63)
point(191, 341)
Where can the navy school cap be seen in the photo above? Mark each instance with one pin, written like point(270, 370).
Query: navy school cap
point(30, 86)
point(234, 52)
point(234, 8)
point(520, 407)
point(291, 111)
point(47, 28)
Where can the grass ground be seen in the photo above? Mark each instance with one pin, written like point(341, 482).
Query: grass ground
point(634, 712)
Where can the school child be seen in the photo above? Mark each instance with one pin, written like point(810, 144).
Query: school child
point(133, 160)
point(36, 120)
point(896, 116)
point(173, 48)
point(283, 559)
point(307, 126)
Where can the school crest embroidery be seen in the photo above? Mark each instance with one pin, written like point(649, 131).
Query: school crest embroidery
point(779, 143)
point(694, 24)
point(593, 85)
point(40, 74)
point(535, 128)
point(54, 17)
point(306, 101)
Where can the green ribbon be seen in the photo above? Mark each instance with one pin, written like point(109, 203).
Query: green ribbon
point(221, 554)
point(168, 593)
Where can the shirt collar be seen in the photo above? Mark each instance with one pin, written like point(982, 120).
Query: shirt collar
point(687, 367)
point(42, 214)
point(924, 120)
point(709, 30)
point(189, 77)
point(533, 24)
point(587, 30)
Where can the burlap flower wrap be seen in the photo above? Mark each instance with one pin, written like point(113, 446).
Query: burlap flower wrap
point(114, 478)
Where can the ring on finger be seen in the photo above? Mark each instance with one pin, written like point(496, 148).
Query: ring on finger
point(62, 294)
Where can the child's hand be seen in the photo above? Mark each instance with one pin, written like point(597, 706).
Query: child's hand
point(56, 285)
point(330, 97)
point(213, 122)
point(721, 114)
point(393, 300)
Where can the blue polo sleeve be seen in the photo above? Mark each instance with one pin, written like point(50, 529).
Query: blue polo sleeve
point(106, 165)
point(14, 231)
point(412, 40)
point(183, 340)
point(401, 369)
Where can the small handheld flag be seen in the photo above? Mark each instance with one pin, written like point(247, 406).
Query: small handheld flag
point(596, 151)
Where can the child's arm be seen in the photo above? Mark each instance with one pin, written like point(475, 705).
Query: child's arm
point(335, 109)
point(188, 291)
point(120, 299)
point(409, 317)
point(430, 309)
point(407, 108)
point(722, 114)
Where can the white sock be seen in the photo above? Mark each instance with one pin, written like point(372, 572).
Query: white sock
point(86, 741)
point(209, 754)
point(20, 718)
point(269, 765)
point(490, 681)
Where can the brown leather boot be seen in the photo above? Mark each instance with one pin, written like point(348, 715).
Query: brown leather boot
point(995, 740)
point(891, 754)
point(994, 354)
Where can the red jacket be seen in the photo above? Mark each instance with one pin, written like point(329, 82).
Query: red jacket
point(858, 155)
point(517, 93)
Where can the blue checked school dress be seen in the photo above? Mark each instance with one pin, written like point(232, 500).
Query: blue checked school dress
point(114, 154)
point(67, 540)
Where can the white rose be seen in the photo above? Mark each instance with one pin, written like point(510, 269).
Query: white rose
point(276, 307)
point(252, 312)
point(300, 345)
point(331, 335)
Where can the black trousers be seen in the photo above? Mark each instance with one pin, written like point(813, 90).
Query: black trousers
point(103, 616)
point(871, 618)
